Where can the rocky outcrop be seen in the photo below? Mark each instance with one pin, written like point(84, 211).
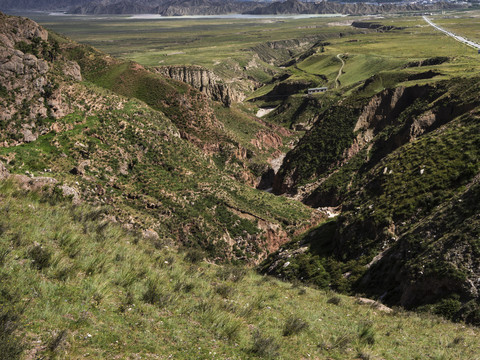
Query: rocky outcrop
point(72, 70)
point(206, 81)
point(3, 172)
point(30, 182)
point(267, 139)
point(29, 90)
point(383, 110)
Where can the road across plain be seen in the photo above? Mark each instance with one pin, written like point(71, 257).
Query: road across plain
point(456, 37)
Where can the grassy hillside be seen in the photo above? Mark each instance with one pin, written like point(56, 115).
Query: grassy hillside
point(395, 187)
point(393, 145)
point(149, 147)
point(74, 285)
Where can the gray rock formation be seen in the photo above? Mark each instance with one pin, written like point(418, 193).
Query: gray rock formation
point(205, 81)
point(72, 70)
point(4, 174)
point(29, 90)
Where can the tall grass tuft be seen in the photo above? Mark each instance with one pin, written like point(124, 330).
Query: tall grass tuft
point(41, 257)
point(224, 290)
point(264, 346)
point(366, 333)
point(154, 296)
point(293, 326)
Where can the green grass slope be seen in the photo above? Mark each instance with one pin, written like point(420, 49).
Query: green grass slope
point(75, 286)
point(394, 148)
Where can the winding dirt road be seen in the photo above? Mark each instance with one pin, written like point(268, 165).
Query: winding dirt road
point(337, 83)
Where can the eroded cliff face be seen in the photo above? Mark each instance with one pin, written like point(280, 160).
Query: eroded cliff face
point(384, 109)
point(207, 82)
point(389, 120)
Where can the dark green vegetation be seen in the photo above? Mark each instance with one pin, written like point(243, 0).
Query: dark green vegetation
point(401, 165)
point(73, 283)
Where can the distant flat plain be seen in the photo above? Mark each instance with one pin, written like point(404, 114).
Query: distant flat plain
point(225, 43)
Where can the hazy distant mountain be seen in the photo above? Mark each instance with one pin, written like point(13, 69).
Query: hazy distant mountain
point(331, 7)
point(204, 7)
point(40, 4)
point(210, 7)
point(116, 7)
point(164, 7)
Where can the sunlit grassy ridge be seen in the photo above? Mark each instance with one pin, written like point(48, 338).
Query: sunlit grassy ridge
point(86, 288)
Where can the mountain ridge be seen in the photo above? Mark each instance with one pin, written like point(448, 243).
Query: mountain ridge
point(216, 7)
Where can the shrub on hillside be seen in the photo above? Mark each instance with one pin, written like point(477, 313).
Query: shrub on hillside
point(154, 296)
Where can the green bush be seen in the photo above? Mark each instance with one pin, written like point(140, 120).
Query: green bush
point(194, 255)
point(447, 308)
point(308, 268)
point(335, 300)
